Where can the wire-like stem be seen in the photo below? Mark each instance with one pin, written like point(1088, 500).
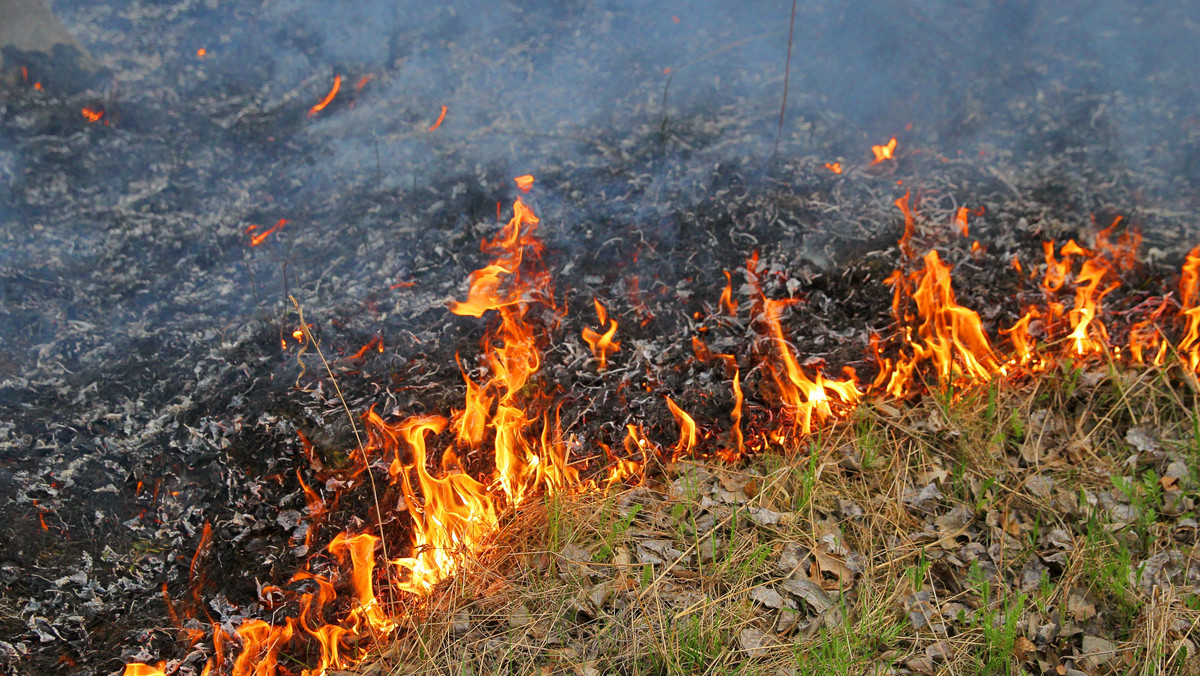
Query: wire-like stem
point(787, 73)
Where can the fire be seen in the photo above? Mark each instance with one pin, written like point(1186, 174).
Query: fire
point(201, 53)
point(337, 84)
point(140, 669)
point(910, 226)
point(508, 431)
point(441, 118)
point(950, 337)
point(1088, 337)
point(727, 301)
point(884, 152)
point(687, 430)
point(835, 167)
point(261, 237)
point(804, 399)
point(602, 343)
point(261, 643)
point(91, 114)
point(525, 183)
point(961, 219)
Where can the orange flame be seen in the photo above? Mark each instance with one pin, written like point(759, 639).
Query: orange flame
point(687, 430)
point(602, 343)
point(1088, 337)
point(804, 399)
point(961, 219)
point(727, 301)
point(835, 167)
point(337, 84)
point(950, 336)
point(92, 114)
point(525, 183)
point(910, 226)
point(261, 643)
point(884, 152)
point(261, 237)
point(441, 118)
point(140, 669)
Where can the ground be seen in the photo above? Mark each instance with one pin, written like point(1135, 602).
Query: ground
point(150, 383)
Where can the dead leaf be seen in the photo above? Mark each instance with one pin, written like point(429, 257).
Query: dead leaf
point(1143, 438)
point(755, 642)
point(1023, 648)
point(767, 597)
point(766, 517)
point(807, 591)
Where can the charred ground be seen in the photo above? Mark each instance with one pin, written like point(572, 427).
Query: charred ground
point(142, 381)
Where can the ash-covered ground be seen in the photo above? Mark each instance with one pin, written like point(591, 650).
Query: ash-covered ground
point(143, 383)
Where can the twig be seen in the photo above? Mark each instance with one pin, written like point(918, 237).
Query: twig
point(787, 72)
point(353, 425)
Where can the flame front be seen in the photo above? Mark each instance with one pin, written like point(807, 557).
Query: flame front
point(509, 423)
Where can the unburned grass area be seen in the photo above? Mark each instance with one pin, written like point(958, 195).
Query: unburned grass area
point(1039, 525)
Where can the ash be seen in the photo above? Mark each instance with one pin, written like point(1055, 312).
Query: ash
point(144, 385)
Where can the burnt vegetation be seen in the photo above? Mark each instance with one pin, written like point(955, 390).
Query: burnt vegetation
point(167, 420)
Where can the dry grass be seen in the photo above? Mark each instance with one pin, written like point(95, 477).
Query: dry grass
point(1045, 526)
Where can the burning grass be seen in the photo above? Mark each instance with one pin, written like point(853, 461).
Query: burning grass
point(942, 472)
point(1046, 527)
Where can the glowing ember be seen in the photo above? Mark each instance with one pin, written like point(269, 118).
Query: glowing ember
point(91, 114)
point(441, 118)
point(835, 167)
point(201, 53)
point(337, 84)
point(884, 152)
point(602, 343)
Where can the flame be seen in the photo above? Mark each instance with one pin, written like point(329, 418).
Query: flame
point(261, 237)
point(1022, 342)
point(961, 219)
point(91, 114)
point(337, 84)
point(804, 399)
point(525, 183)
point(1088, 337)
point(884, 152)
point(361, 551)
point(509, 424)
point(950, 337)
point(835, 167)
point(602, 343)
point(140, 669)
point(441, 118)
point(687, 430)
point(261, 643)
point(910, 226)
point(727, 301)
point(1145, 337)
point(1189, 280)
point(201, 53)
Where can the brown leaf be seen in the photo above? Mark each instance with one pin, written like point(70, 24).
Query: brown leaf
point(1022, 648)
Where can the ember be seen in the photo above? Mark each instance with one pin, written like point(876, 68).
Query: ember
point(884, 152)
point(337, 84)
